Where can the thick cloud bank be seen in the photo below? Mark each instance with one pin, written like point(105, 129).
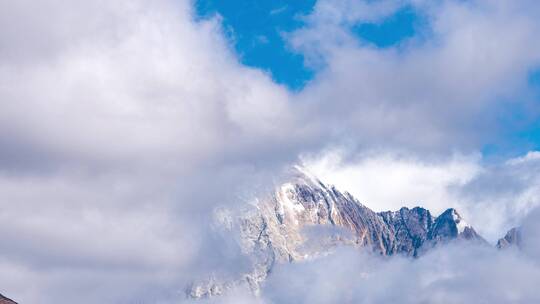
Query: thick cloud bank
point(454, 274)
point(457, 273)
point(124, 123)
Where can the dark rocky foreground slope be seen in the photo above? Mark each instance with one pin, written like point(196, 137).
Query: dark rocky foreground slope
point(305, 218)
point(4, 300)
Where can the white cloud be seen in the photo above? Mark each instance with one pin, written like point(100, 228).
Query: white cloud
point(389, 182)
point(452, 274)
point(124, 123)
point(530, 156)
point(493, 198)
point(443, 89)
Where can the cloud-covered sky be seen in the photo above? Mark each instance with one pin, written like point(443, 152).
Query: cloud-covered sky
point(492, 197)
point(124, 123)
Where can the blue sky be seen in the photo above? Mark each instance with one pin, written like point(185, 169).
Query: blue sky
point(527, 136)
point(405, 23)
point(256, 30)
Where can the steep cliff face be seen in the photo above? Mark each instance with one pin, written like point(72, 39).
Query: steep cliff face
point(307, 202)
point(278, 230)
point(410, 229)
point(450, 225)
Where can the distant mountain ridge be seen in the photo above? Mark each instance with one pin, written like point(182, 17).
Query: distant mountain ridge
point(277, 229)
point(511, 239)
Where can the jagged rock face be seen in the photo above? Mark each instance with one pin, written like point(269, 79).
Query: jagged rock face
point(410, 228)
point(4, 300)
point(307, 202)
point(450, 225)
point(511, 239)
point(274, 232)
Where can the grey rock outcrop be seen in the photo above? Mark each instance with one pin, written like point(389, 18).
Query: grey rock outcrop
point(450, 225)
point(511, 239)
point(410, 229)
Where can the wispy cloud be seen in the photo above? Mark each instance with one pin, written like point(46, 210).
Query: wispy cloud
point(279, 10)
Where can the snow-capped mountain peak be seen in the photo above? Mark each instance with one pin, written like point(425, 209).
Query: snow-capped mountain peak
point(275, 231)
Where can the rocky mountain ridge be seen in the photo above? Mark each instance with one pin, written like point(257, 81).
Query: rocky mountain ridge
point(305, 218)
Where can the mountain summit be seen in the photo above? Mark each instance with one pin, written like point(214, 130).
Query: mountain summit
point(305, 218)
